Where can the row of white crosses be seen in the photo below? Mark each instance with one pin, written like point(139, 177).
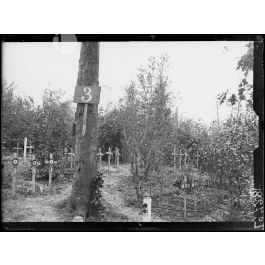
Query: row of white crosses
point(174, 154)
point(110, 154)
point(15, 163)
point(17, 148)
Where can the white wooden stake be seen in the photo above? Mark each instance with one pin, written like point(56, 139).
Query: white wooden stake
point(147, 217)
point(33, 179)
point(109, 153)
point(25, 148)
point(180, 159)
point(14, 177)
point(50, 172)
point(117, 154)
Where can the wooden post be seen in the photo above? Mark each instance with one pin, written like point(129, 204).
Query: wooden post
point(147, 215)
point(25, 148)
point(86, 119)
point(100, 154)
point(174, 157)
point(30, 151)
point(33, 169)
point(109, 153)
point(71, 158)
point(185, 205)
point(117, 154)
point(14, 175)
point(50, 170)
point(180, 159)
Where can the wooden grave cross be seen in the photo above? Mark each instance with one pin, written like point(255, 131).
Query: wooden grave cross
point(25, 148)
point(117, 154)
point(14, 175)
point(33, 170)
point(71, 157)
point(51, 162)
point(30, 151)
point(17, 148)
point(180, 159)
point(100, 154)
point(109, 153)
point(72, 154)
point(174, 154)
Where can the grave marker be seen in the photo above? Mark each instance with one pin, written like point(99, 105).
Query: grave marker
point(100, 154)
point(147, 215)
point(51, 162)
point(33, 169)
point(30, 151)
point(71, 157)
point(117, 154)
point(25, 148)
point(109, 153)
point(14, 175)
point(180, 159)
point(17, 148)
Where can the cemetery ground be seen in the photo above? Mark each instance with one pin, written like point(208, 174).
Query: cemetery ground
point(118, 198)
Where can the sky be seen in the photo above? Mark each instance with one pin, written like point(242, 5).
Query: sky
point(199, 71)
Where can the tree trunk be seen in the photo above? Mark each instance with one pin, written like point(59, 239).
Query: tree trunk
point(86, 146)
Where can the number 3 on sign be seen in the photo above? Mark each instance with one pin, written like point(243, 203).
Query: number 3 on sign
point(87, 93)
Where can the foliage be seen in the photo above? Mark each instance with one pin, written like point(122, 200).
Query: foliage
point(48, 127)
point(145, 118)
point(95, 205)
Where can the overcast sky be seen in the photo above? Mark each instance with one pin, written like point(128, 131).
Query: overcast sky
point(199, 70)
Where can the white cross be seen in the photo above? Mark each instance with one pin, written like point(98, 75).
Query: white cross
point(100, 157)
point(17, 148)
point(71, 157)
point(109, 153)
point(180, 158)
point(117, 154)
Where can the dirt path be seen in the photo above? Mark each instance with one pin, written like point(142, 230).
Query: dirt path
point(118, 197)
point(38, 207)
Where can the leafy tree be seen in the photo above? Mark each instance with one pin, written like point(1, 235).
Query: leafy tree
point(145, 119)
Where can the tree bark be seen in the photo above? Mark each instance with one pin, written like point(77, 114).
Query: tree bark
point(86, 146)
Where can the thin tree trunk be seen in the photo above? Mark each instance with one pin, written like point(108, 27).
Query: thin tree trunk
point(86, 146)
